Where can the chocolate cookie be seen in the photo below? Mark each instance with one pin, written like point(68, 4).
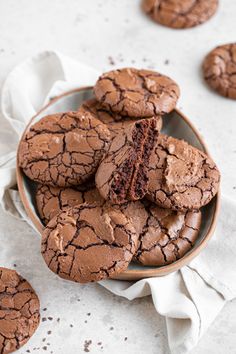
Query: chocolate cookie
point(180, 13)
point(50, 200)
point(63, 149)
point(122, 175)
point(181, 177)
point(114, 121)
point(19, 311)
point(136, 93)
point(167, 235)
point(219, 69)
point(88, 243)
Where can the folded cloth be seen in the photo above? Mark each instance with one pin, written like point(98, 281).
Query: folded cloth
point(189, 299)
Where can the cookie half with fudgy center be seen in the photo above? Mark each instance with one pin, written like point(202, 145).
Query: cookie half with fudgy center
point(136, 93)
point(88, 243)
point(19, 311)
point(219, 69)
point(167, 235)
point(122, 174)
point(63, 149)
point(180, 13)
point(181, 177)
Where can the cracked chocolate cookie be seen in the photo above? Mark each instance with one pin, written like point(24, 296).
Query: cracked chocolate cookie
point(88, 243)
point(50, 200)
point(181, 177)
point(63, 149)
point(115, 122)
point(19, 311)
point(219, 70)
point(136, 93)
point(180, 13)
point(167, 235)
point(122, 174)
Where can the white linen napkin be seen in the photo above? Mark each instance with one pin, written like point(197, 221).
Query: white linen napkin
point(191, 298)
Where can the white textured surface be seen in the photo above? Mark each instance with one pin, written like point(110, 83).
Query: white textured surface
point(91, 31)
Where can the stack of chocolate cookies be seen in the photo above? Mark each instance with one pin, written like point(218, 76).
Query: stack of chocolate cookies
point(111, 188)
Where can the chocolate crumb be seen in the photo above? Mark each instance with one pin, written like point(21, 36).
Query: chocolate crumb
point(15, 265)
point(99, 343)
point(111, 328)
point(167, 62)
point(85, 321)
point(44, 339)
point(49, 332)
point(27, 351)
point(50, 318)
point(125, 338)
point(71, 325)
point(45, 309)
point(45, 347)
point(89, 313)
point(87, 343)
point(58, 319)
point(44, 319)
point(111, 60)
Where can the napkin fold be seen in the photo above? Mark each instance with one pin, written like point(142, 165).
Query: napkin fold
point(190, 298)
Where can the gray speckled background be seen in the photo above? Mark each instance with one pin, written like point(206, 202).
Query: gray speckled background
point(100, 33)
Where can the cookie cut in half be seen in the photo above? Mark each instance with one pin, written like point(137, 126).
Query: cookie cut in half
point(122, 174)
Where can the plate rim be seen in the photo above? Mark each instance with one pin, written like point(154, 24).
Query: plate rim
point(129, 274)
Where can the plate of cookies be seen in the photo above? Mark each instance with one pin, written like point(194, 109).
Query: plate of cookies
point(118, 182)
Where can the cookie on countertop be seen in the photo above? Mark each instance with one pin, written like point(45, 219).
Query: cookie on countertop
point(50, 200)
point(180, 13)
point(219, 70)
point(167, 235)
point(63, 149)
point(122, 174)
point(19, 311)
point(181, 177)
point(136, 93)
point(88, 243)
point(114, 121)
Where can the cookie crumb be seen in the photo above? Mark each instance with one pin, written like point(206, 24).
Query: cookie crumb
point(111, 60)
point(87, 344)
